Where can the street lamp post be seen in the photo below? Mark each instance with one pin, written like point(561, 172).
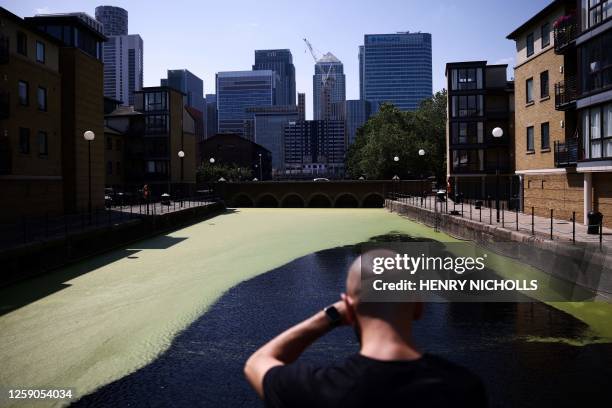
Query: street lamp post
point(181, 155)
point(497, 133)
point(260, 168)
point(89, 136)
point(422, 153)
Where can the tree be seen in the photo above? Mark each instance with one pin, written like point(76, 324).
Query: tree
point(391, 133)
point(213, 172)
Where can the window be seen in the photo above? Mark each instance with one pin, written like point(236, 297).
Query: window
point(24, 99)
point(109, 168)
point(545, 133)
point(109, 143)
point(596, 62)
point(155, 101)
point(467, 105)
point(530, 143)
point(544, 88)
point(24, 140)
point(156, 124)
point(530, 44)
point(42, 98)
point(43, 143)
point(597, 132)
point(22, 43)
point(467, 78)
point(596, 10)
point(467, 132)
point(545, 33)
point(118, 168)
point(40, 52)
point(118, 144)
point(529, 90)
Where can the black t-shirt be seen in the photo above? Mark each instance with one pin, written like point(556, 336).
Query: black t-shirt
point(360, 381)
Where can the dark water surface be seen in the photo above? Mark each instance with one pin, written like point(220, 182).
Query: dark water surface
point(203, 367)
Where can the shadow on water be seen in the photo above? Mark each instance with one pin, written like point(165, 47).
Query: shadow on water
point(203, 366)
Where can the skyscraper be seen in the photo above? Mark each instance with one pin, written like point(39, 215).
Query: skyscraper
point(268, 127)
point(315, 147)
point(396, 68)
point(331, 68)
point(122, 55)
point(301, 106)
point(211, 115)
point(114, 20)
point(357, 113)
point(189, 84)
point(239, 90)
point(281, 62)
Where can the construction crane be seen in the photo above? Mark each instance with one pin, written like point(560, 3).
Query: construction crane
point(316, 55)
point(326, 80)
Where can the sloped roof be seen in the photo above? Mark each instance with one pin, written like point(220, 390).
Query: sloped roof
point(329, 57)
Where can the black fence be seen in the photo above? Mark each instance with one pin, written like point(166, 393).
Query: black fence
point(29, 229)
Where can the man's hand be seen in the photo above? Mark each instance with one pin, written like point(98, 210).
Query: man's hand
point(287, 346)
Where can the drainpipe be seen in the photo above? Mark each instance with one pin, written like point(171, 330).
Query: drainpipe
point(521, 192)
point(588, 195)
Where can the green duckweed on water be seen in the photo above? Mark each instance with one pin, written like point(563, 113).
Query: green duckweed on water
point(94, 322)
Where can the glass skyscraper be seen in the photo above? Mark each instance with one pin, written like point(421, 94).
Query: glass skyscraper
point(281, 62)
point(122, 55)
point(239, 90)
point(396, 68)
point(337, 85)
point(188, 83)
point(211, 115)
point(357, 113)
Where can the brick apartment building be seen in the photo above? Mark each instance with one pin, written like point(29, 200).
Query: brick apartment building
point(480, 99)
point(563, 113)
point(50, 94)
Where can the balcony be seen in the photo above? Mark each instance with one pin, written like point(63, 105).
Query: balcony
point(566, 153)
point(4, 105)
point(565, 32)
point(565, 94)
point(4, 49)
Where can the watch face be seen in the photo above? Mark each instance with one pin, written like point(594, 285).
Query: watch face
point(333, 315)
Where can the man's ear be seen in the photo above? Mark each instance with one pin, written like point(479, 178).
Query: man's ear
point(418, 311)
point(350, 308)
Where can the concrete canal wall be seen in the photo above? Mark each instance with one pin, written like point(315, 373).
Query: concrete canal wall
point(586, 265)
point(36, 258)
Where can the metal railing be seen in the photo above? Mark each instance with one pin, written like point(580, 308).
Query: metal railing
point(566, 153)
point(565, 93)
point(565, 32)
point(29, 229)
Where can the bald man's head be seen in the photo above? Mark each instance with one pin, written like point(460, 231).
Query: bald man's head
point(360, 277)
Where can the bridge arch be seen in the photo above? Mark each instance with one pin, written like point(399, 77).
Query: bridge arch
point(319, 200)
point(346, 200)
point(292, 200)
point(242, 200)
point(266, 200)
point(373, 200)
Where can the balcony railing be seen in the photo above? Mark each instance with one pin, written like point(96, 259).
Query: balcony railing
point(4, 105)
point(565, 93)
point(4, 49)
point(566, 153)
point(565, 32)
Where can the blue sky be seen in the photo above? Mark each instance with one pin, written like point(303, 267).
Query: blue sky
point(210, 36)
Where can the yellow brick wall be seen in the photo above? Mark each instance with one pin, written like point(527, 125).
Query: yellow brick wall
point(538, 112)
point(560, 192)
point(602, 201)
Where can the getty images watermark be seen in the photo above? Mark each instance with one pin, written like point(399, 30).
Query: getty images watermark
point(465, 272)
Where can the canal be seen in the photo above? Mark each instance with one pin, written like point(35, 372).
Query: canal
point(169, 321)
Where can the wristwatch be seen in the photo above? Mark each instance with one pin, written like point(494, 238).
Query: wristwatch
point(333, 315)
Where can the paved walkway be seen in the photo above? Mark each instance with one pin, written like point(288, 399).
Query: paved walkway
point(515, 221)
